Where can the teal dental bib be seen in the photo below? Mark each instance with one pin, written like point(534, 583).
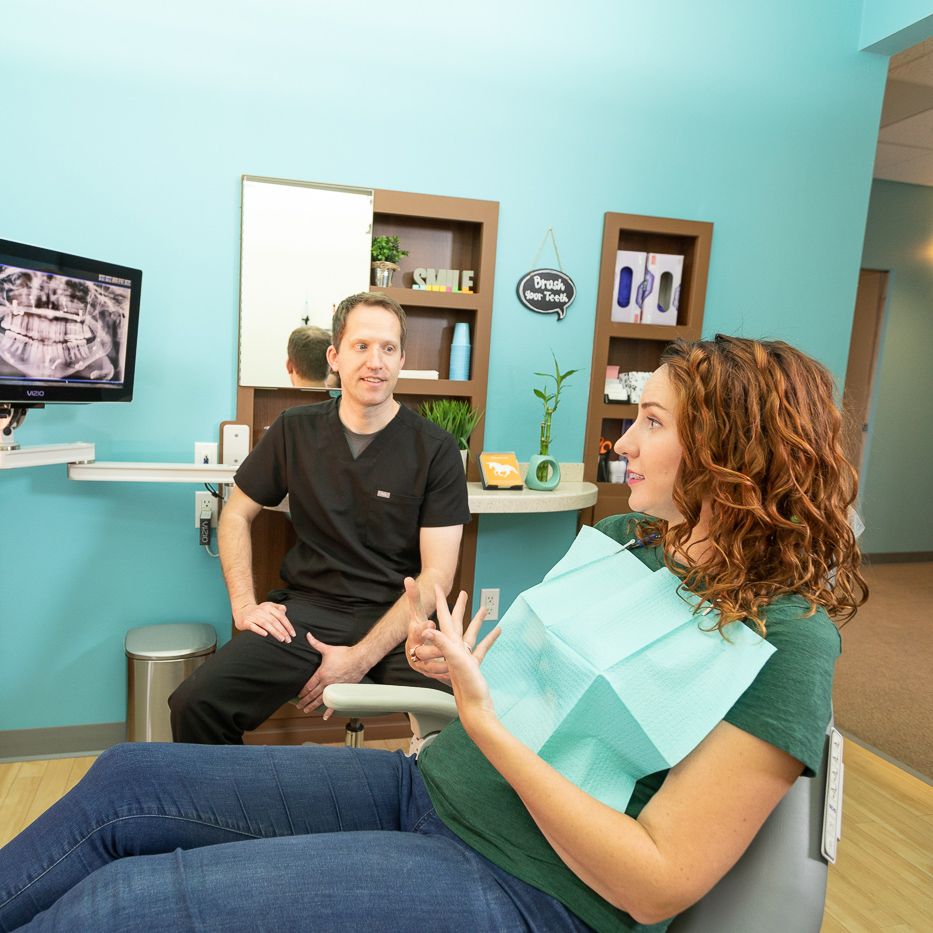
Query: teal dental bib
point(604, 671)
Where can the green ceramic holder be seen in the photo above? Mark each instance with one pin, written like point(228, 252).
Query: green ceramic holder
point(531, 477)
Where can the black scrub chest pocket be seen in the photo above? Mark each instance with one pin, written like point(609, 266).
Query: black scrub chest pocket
point(391, 523)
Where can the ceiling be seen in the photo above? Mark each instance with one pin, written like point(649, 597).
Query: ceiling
point(905, 140)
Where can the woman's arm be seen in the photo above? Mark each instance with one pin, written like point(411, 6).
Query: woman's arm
point(692, 831)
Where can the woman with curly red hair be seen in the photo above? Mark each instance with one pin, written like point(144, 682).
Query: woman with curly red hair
point(742, 490)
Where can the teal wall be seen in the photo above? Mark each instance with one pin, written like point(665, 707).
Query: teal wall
point(890, 26)
point(896, 502)
point(134, 123)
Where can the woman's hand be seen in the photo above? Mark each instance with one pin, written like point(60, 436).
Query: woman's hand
point(462, 656)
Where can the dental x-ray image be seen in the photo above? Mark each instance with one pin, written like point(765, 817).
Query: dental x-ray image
point(60, 327)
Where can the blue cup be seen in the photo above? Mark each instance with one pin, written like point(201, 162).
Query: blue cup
point(460, 362)
point(461, 335)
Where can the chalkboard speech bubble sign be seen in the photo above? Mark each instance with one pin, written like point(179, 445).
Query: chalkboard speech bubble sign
point(547, 291)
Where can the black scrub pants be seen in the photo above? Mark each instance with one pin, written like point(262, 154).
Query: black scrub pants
point(251, 676)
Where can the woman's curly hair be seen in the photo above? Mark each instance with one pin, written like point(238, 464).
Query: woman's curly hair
point(761, 437)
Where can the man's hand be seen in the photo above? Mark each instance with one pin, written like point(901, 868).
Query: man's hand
point(265, 619)
point(340, 664)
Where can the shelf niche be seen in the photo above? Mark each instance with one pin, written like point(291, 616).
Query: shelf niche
point(638, 347)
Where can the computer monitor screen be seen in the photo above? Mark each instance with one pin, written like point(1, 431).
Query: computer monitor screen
point(68, 327)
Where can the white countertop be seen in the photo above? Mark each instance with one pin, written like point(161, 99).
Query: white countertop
point(572, 494)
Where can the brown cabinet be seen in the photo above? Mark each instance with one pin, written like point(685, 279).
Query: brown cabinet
point(637, 347)
point(439, 233)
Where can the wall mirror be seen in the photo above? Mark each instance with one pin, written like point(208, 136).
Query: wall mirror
point(304, 246)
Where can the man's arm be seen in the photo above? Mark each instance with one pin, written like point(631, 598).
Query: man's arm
point(236, 560)
point(440, 550)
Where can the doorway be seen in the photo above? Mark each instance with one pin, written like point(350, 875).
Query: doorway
point(863, 359)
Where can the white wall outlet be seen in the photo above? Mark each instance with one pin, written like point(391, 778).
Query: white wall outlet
point(489, 600)
point(205, 452)
point(204, 500)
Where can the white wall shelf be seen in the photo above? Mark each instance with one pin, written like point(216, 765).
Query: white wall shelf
point(45, 455)
point(129, 472)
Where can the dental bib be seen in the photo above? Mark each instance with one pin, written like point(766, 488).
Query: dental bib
point(603, 669)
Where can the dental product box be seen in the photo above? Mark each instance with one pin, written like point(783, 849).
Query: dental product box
point(663, 273)
point(626, 300)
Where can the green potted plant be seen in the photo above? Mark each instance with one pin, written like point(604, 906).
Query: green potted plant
point(454, 415)
point(386, 253)
point(539, 466)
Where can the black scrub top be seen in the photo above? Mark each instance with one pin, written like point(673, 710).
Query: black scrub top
point(357, 521)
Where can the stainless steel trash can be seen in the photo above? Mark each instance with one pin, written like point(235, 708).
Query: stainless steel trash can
point(158, 659)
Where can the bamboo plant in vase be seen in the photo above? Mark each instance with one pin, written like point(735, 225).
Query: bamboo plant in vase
point(454, 415)
point(543, 464)
point(386, 252)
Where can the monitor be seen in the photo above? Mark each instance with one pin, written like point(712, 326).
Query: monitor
point(67, 327)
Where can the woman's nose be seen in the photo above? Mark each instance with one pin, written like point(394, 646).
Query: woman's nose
point(622, 446)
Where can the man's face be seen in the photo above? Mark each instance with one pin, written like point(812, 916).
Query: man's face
point(370, 356)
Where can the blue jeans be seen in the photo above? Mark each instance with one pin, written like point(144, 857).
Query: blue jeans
point(184, 837)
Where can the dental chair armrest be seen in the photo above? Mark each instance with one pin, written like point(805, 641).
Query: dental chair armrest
point(429, 710)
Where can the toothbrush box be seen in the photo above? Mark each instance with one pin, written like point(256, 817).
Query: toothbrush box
point(630, 272)
point(663, 273)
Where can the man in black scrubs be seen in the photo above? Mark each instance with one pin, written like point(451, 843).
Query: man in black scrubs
point(376, 493)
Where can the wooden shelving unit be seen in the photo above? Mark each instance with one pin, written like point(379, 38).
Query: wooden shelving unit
point(637, 347)
point(439, 233)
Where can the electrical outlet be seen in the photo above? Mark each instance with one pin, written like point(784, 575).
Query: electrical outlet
point(489, 600)
point(205, 451)
point(204, 500)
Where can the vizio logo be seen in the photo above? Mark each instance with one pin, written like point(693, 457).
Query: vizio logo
point(35, 393)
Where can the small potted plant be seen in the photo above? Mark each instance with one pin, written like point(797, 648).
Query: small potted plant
point(386, 253)
point(454, 415)
point(540, 465)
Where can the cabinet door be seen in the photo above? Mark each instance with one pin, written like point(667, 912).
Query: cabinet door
point(304, 247)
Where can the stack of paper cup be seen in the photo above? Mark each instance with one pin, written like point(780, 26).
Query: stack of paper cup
point(460, 352)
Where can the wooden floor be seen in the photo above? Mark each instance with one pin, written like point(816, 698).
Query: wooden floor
point(882, 881)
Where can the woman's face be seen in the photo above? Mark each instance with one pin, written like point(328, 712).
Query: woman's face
point(652, 447)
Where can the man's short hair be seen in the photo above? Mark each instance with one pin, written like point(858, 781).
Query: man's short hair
point(343, 310)
point(307, 350)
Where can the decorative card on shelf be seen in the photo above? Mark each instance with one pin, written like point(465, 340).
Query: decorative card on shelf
point(605, 670)
point(500, 471)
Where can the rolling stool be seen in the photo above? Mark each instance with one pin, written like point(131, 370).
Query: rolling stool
point(355, 730)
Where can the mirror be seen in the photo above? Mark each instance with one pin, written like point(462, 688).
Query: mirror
point(303, 248)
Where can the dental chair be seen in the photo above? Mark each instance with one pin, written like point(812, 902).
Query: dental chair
point(777, 886)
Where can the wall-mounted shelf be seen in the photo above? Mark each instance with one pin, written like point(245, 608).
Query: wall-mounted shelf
point(45, 455)
point(130, 472)
point(638, 347)
point(419, 298)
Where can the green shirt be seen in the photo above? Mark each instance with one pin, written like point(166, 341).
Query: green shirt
point(788, 705)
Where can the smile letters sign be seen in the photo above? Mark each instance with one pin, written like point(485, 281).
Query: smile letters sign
point(547, 291)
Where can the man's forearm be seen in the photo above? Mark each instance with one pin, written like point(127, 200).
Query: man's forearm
point(393, 626)
point(236, 561)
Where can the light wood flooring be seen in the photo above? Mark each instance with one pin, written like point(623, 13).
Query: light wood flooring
point(882, 881)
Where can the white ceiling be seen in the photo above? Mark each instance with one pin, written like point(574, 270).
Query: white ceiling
point(905, 140)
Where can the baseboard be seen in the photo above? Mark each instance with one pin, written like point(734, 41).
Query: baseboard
point(898, 557)
point(71, 741)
